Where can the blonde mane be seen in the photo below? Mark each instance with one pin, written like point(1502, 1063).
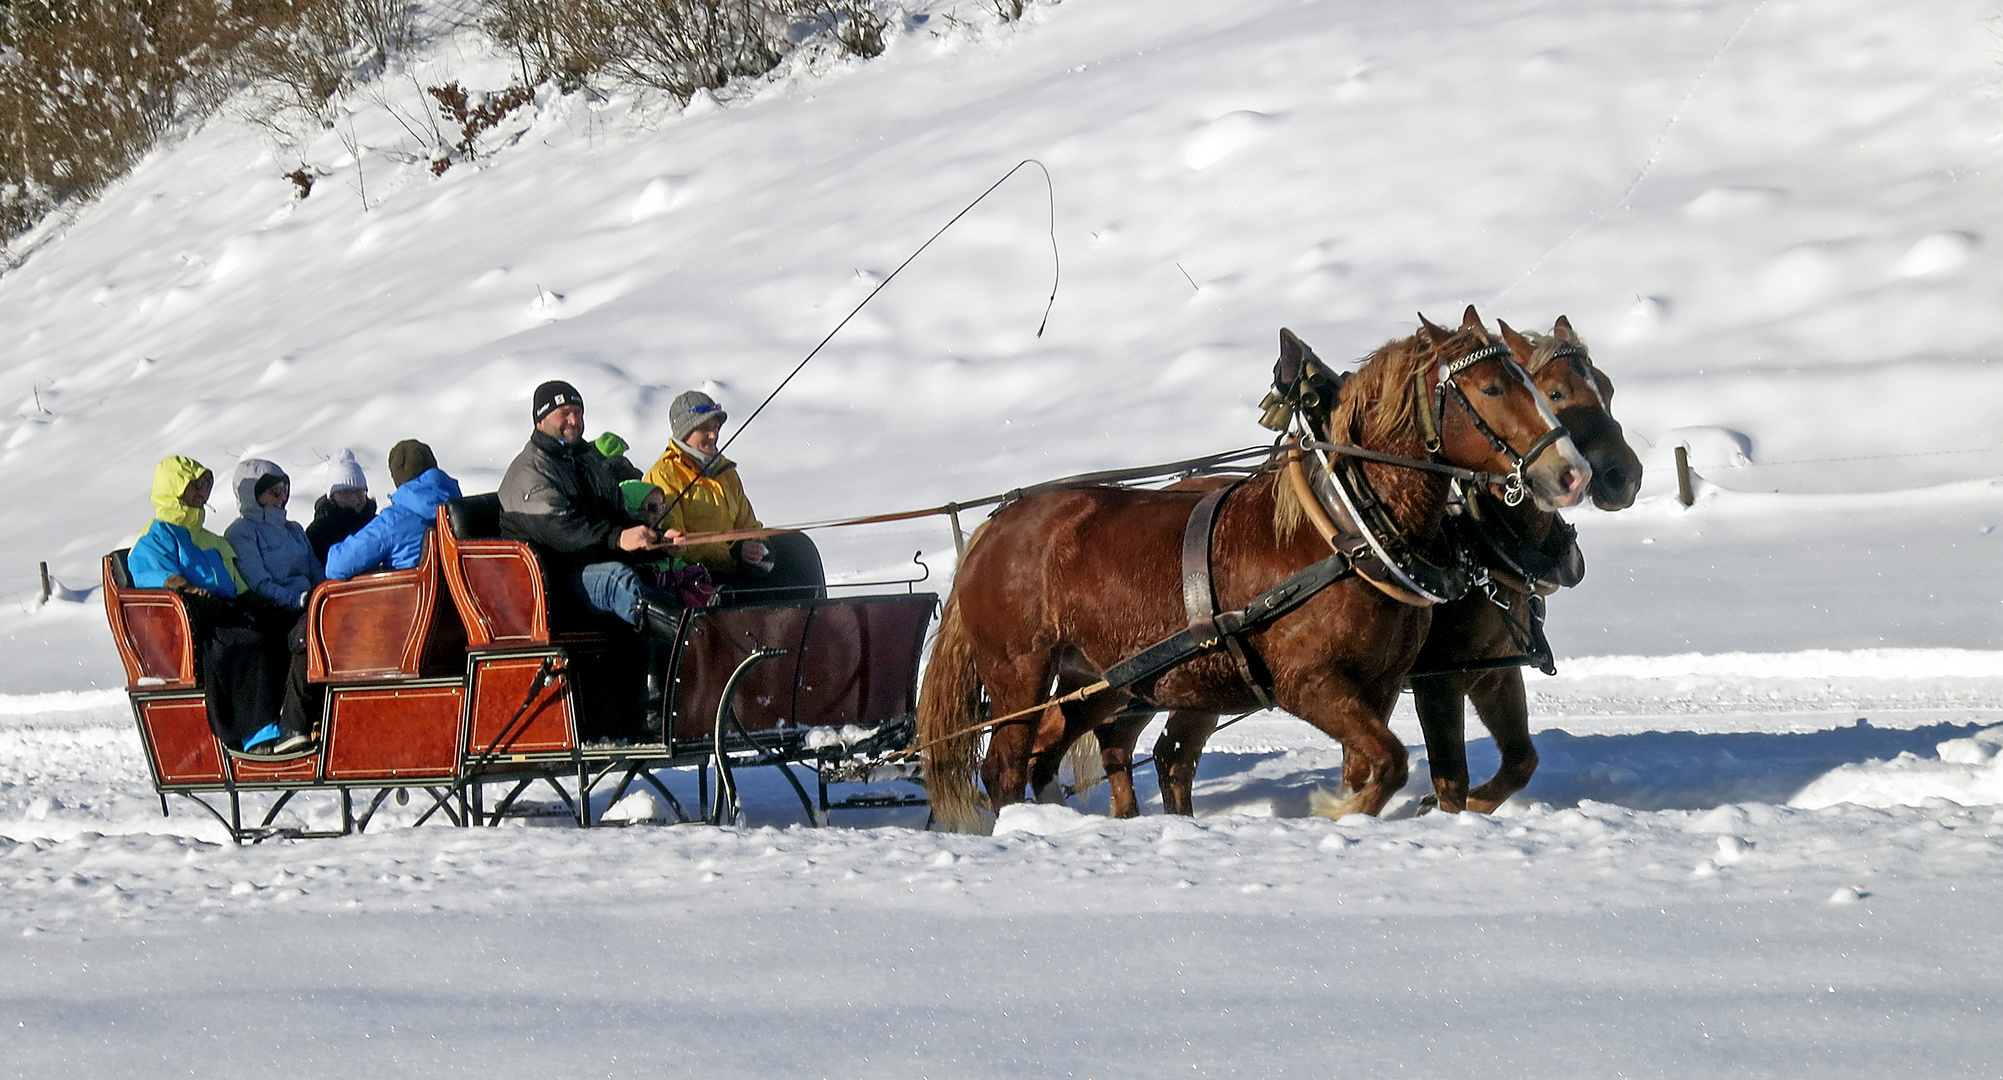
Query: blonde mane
point(1544, 348)
point(1377, 407)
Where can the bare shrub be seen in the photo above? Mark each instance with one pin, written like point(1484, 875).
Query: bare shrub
point(564, 41)
point(675, 46)
point(304, 53)
point(858, 26)
point(87, 86)
point(474, 114)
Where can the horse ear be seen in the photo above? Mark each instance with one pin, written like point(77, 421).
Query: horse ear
point(1518, 344)
point(1562, 330)
point(1472, 321)
point(1293, 359)
point(1430, 333)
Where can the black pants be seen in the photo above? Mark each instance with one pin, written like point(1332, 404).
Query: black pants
point(251, 675)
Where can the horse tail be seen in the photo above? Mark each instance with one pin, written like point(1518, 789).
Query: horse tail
point(1088, 765)
point(948, 705)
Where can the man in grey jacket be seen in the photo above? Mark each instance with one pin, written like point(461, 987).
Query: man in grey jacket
point(559, 496)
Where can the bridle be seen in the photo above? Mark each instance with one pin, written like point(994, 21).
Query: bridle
point(1433, 411)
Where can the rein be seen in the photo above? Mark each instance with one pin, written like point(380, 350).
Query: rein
point(1189, 467)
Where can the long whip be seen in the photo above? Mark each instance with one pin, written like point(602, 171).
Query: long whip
point(1056, 271)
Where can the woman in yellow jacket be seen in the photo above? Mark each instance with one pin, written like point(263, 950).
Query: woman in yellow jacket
point(708, 496)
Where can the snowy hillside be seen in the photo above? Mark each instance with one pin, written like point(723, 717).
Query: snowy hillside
point(1746, 851)
point(1796, 192)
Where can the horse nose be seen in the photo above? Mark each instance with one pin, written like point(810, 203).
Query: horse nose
point(1574, 481)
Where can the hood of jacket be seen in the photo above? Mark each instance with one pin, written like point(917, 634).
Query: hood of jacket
point(424, 493)
point(610, 444)
point(170, 479)
point(635, 493)
point(248, 472)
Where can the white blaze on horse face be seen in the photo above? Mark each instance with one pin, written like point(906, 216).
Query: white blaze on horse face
point(1554, 484)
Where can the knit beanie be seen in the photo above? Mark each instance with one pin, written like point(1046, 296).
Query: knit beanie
point(409, 460)
point(267, 482)
point(553, 395)
point(343, 474)
point(692, 410)
point(611, 445)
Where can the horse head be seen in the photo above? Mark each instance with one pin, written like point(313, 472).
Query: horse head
point(1487, 414)
point(1582, 397)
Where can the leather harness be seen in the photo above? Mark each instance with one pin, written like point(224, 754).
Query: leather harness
point(1199, 595)
point(1350, 518)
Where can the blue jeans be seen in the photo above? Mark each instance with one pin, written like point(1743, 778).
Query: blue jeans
point(610, 587)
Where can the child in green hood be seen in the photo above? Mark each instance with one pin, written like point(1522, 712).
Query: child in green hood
point(688, 580)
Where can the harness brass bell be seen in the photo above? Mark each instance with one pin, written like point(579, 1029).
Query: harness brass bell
point(1279, 412)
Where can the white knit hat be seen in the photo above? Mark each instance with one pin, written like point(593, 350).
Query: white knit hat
point(343, 473)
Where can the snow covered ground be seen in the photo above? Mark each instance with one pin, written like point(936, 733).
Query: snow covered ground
point(1764, 835)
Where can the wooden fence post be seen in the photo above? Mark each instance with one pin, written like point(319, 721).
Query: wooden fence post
point(1685, 490)
point(46, 590)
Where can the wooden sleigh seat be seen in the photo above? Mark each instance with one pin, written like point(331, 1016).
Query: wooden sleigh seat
point(156, 643)
point(390, 647)
point(543, 673)
point(385, 627)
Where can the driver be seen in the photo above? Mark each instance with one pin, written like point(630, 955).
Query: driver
point(558, 496)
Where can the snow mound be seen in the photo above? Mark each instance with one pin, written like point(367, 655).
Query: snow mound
point(1965, 771)
point(1042, 819)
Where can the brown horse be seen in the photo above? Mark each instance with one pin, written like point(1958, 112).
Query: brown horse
point(1472, 629)
point(1059, 586)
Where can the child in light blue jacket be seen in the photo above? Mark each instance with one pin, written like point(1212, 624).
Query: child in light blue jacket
point(272, 553)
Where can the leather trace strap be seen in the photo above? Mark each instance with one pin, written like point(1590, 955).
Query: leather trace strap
point(1174, 650)
point(1199, 594)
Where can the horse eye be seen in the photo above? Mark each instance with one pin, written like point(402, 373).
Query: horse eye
point(1556, 395)
point(1492, 390)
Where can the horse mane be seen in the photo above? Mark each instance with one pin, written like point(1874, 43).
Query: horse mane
point(1544, 348)
point(1377, 407)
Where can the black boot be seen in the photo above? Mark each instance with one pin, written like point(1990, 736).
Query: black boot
point(654, 706)
point(658, 620)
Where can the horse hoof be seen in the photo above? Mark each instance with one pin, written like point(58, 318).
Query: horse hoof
point(1427, 805)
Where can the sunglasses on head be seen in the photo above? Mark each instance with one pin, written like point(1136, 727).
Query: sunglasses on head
point(704, 410)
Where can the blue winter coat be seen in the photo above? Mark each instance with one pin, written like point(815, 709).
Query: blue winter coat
point(396, 536)
point(167, 550)
point(273, 554)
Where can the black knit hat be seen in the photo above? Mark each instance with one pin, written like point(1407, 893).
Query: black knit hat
point(267, 482)
point(409, 460)
point(552, 395)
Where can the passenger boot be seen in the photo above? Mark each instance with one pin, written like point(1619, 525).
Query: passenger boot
point(654, 707)
point(659, 621)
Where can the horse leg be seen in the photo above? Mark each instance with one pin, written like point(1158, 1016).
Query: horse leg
point(1440, 702)
point(1077, 719)
point(1050, 746)
point(1504, 709)
point(1374, 766)
point(1116, 757)
point(1176, 755)
point(1005, 771)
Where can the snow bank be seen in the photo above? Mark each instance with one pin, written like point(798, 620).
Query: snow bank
point(1966, 771)
point(1806, 664)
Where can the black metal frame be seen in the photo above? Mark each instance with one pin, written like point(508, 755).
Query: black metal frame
point(461, 798)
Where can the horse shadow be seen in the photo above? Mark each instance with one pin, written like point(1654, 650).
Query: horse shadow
point(1656, 770)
